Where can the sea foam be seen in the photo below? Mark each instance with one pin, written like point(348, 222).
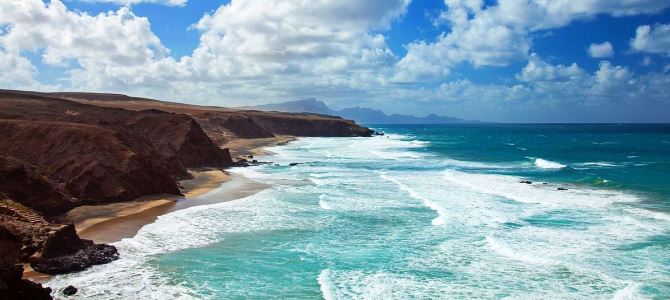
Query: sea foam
point(441, 212)
point(547, 164)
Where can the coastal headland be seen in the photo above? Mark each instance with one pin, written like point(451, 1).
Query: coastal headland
point(78, 170)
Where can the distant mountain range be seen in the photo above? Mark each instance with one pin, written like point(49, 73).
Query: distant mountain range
point(359, 114)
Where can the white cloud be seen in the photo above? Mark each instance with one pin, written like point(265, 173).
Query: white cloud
point(601, 50)
point(499, 34)
point(131, 2)
point(553, 93)
point(538, 70)
point(271, 49)
point(16, 71)
point(113, 38)
point(652, 40)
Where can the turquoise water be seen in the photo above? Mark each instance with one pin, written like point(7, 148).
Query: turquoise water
point(426, 212)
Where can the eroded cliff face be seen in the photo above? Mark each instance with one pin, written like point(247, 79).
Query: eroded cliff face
point(91, 163)
point(100, 154)
point(59, 151)
point(308, 125)
point(23, 182)
point(222, 127)
point(181, 137)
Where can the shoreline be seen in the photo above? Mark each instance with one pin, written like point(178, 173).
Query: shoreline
point(109, 223)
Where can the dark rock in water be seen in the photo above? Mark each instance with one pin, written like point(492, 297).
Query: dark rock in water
point(526, 181)
point(69, 290)
point(294, 164)
point(254, 161)
point(93, 254)
point(544, 183)
point(63, 252)
point(242, 163)
point(379, 133)
point(561, 189)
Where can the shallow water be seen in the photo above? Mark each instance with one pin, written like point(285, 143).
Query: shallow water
point(425, 212)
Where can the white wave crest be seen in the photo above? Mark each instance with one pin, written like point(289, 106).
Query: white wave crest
point(547, 164)
point(509, 187)
point(503, 250)
point(322, 202)
point(441, 212)
point(324, 284)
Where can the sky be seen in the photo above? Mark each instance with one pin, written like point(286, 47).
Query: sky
point(552, 61)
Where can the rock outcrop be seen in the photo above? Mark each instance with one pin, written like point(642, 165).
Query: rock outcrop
point(12, 286)
point(50, 248)
point(63, 252)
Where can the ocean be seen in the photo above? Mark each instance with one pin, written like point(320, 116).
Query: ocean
point(424, 212)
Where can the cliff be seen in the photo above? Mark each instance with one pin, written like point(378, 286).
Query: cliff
point(225, 124)
point(62, 150)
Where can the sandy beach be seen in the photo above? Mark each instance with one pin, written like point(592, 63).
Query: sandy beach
point(112, 222)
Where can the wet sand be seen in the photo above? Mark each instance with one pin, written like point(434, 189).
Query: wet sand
point(127, 225)
point(89, 218)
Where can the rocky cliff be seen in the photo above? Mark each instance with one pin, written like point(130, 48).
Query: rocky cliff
point(59, 151)
point(224, 124)
point(49, 248)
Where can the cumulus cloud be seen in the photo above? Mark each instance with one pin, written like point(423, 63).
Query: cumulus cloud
point(130, 2)
point(601, 50)
point(567, 92)
point(16, 71)
point(499, 34)
point(280, 49)
point(113, 38)
point(652, 39)
point(538, 70)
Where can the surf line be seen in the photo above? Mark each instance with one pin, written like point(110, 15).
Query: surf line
point(441, 212)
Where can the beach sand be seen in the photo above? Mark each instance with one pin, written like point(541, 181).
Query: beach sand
point(112, 222)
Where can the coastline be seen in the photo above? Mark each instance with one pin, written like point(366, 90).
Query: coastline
point(109, 223)
point(255, 147)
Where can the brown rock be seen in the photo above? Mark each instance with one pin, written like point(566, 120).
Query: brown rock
point(12, 286)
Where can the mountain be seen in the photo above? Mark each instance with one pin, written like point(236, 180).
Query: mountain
point(310, 105)
point(358, 114)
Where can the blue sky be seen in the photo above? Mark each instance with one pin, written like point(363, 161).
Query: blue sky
point(507, 60)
